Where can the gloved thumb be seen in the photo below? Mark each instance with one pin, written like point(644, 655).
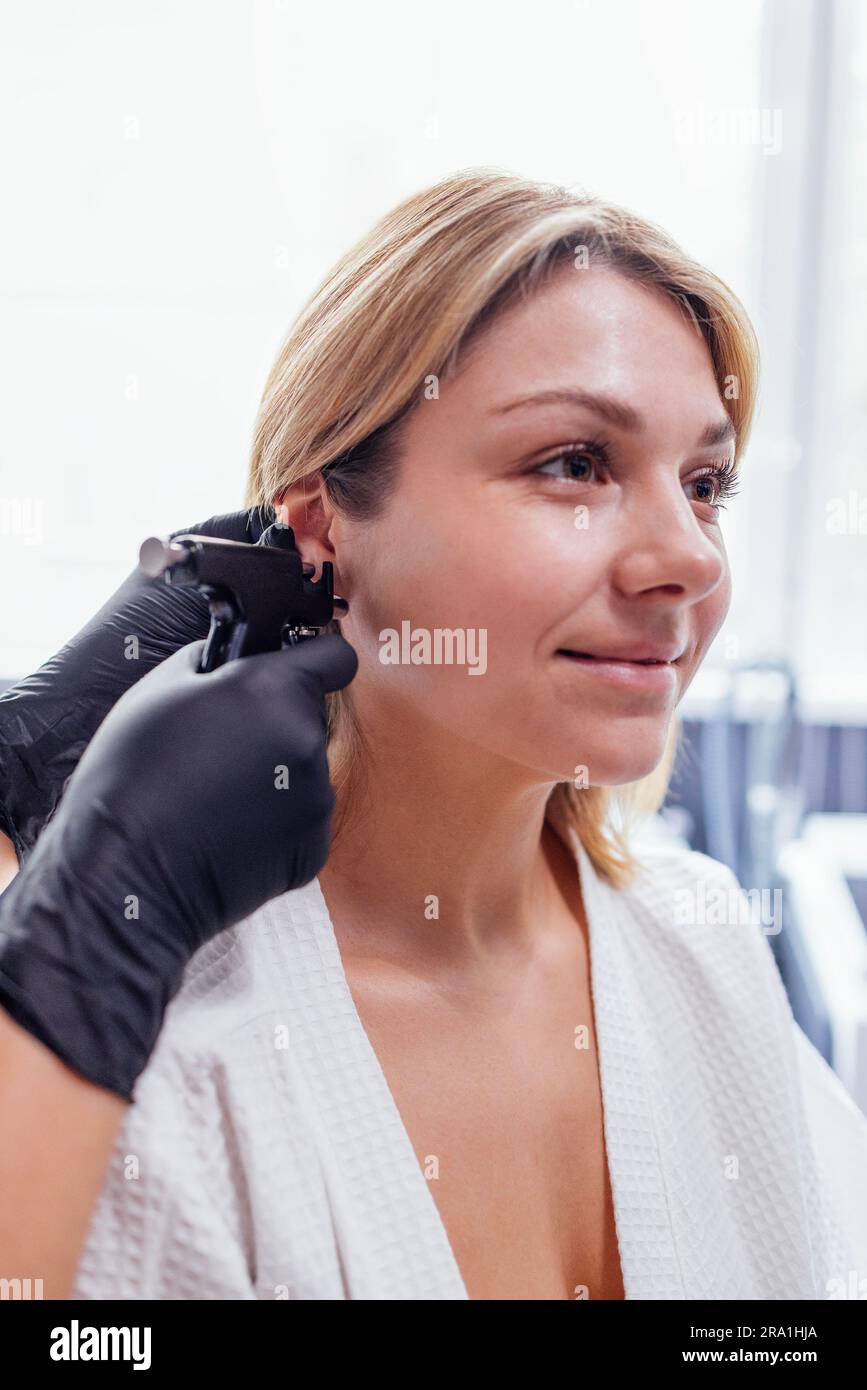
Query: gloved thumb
point(329, 658)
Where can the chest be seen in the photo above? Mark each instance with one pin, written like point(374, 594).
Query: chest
point(498, 1089)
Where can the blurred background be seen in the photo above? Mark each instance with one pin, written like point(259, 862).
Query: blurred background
point(179, 176)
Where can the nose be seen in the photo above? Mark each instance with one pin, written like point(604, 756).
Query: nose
point(665, 547)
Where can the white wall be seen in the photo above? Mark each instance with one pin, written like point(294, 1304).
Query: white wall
point(178, 176)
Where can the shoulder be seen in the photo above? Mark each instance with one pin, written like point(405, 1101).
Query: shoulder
point(235, 981)
point(694, 934)
point(173, 1218)
point(699, 903)
point(686, 879)
point(169, 1219)
point(222, 1029)
point(699, 946)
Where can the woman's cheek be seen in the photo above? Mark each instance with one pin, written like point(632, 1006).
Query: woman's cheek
point(709, 618)
point(720, 600)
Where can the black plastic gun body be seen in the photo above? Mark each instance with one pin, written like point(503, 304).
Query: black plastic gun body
point(261, 597)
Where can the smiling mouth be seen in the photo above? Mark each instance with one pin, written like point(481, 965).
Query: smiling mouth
point(647, 675)
point(614, 660)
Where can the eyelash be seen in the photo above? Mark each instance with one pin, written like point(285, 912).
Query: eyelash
point(724, 472)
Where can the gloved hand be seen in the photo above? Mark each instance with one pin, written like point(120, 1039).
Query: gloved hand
point(48, 718)
point(200, 797)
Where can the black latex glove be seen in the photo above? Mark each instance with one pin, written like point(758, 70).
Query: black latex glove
point(48, 718)
point(180, 806)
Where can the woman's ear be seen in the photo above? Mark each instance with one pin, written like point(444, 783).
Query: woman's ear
point(308, 511)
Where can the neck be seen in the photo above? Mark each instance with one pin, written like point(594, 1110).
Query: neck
point(436, 832)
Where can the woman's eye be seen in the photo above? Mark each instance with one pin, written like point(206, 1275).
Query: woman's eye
point(708, 490)
point(716, 483)
point(583, 463)
point(580, 465)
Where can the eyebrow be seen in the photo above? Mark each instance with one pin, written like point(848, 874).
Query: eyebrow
point(617, 413)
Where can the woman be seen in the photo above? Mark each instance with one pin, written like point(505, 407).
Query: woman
point(491, 1051)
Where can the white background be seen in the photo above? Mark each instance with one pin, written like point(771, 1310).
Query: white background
point(177, 177)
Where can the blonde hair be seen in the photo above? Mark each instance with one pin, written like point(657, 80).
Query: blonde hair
point(403, 304)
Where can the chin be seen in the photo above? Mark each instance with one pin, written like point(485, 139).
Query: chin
point(618, 771)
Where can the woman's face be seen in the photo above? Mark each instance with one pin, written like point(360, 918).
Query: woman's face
point(551, 526)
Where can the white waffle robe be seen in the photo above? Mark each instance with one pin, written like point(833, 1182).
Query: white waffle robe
point(264, 1156)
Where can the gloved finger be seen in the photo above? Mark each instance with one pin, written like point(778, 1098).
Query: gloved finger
point(327, 662)
point(330, 659)
point(246, 526)
point(182, 662)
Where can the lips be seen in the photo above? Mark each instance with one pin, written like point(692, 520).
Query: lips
point(635, 672)
point(639, 654)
